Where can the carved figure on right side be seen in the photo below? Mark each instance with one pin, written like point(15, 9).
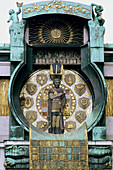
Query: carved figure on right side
point(98, 18)
point(97, 30)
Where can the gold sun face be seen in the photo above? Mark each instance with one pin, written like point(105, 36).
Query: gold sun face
point(56, 33)
point(55, 29)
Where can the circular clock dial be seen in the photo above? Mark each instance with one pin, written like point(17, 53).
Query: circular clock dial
point(78, 99)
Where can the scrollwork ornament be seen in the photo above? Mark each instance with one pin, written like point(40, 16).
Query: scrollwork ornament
point(58, 5)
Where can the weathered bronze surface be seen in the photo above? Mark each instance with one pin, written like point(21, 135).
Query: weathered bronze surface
point(41, 79)
point(84, 102)
point(14, 15)
point(31, 115)
point(100, 157)
point(79, 100)
point(16, 157)
point(80, 116)
point(56, 104)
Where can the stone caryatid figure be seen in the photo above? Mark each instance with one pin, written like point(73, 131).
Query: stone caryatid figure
point(56, 103)
point(16, 31)
point(14, 15)
point(98, 17)
point(96, 34)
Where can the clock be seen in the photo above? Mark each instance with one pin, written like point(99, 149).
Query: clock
point(78, 106)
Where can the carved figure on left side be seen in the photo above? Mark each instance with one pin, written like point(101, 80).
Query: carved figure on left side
point(14, 15)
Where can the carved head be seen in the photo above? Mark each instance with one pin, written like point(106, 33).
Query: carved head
point(99, 10)
point(56, 82)
point(11, 11)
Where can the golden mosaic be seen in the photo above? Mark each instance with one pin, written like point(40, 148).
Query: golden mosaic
point(51, 157)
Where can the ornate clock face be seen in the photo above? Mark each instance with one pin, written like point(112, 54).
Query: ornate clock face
point(78, 99)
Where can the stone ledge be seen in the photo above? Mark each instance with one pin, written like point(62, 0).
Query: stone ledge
point(6, 143)
point(104, 143)
point(108, 69)
point(4, 68)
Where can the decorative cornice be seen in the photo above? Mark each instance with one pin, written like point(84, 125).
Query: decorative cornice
point(58, 7)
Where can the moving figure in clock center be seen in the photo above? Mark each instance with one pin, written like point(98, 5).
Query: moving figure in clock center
point(56, 103)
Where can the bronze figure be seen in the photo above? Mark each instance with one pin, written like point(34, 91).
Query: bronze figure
point(56, 103)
